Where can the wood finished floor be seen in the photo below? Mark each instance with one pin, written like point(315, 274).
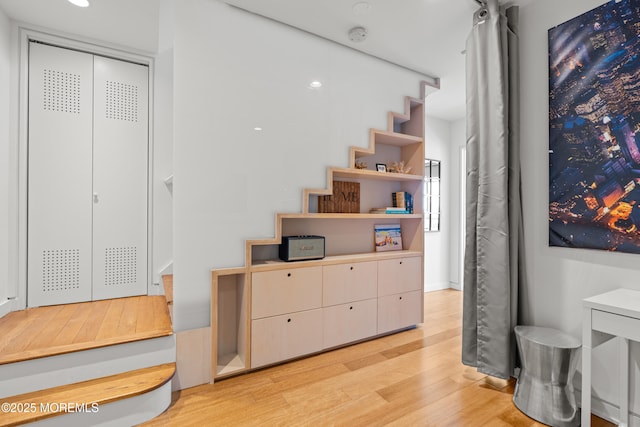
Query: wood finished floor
point(58, 329)
point(413, 378)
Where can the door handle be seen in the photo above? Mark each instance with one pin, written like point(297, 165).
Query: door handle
point(95, 198)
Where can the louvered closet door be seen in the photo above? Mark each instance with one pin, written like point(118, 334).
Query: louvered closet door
point(59, 177)
point(120, 178)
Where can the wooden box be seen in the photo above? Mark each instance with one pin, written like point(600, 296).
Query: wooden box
point(345, 198)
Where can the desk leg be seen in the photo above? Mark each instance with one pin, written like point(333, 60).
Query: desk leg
point(586, 368)
point(624, 382)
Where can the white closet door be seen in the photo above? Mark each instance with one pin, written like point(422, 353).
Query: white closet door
point(120, 178)
point(59, 183)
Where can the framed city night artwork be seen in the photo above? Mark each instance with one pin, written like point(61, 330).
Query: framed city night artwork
point(594, 129)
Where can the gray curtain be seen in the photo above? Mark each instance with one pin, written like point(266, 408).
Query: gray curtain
point(494, 230)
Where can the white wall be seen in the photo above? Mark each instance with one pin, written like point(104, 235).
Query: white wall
point(5, 85)
point(163, 145)
point(437, 244)
point(458, 141)
point(235, 71)
point(559, 278)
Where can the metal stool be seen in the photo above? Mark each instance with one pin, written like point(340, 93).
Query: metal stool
point(544, 390)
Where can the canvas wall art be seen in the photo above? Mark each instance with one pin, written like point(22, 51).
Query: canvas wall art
point(594, 129)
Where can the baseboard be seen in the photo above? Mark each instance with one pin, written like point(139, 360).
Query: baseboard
point(7, 306)
point(193, 364)
point(438, 286)
point(455, 285)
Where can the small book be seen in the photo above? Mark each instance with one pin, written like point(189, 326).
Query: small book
point(388, 237)
point(388, 210)
point(403, 199)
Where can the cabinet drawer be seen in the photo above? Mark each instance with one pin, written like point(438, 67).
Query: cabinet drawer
point(343, 283)
point(399, 275)
point(278, 338)
point(285, 291)
point(399, 311)
point(350, 322)
point(615, 324)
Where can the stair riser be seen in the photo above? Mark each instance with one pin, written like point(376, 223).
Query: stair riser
point(53, 371)
point(127, 412)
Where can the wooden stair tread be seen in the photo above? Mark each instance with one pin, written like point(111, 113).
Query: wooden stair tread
point(167, 282)
point(99, 391)
point(53, 330)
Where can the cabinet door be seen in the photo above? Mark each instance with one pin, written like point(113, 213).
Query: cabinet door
point(399, 275)
point(285, 291)
point(349, 322)
point(59, 175)
point(343, 283)
point(400, 311)
point(120, 151)
point(278, 338)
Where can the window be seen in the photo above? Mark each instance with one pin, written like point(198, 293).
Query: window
point(431, 195)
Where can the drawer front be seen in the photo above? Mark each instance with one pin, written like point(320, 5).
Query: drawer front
point(399, 275)
point(343, 283)
point(278, 338)
point(400, 311)
point(285, 291)
point(350, 322)
point(615, 324)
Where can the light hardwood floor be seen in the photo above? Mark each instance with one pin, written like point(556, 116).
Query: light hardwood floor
point(59, 329)
point(413, 378)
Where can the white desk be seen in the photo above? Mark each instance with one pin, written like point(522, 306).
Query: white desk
point(605, 316)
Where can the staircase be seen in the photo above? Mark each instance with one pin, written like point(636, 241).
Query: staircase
point(94, 363)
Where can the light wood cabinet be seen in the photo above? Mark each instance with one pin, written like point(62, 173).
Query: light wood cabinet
point(349, 322)
point(399, 311)
point(278, 338)
point(286, 291)
point(343, 283)
point(399, 275)
point(355, 292)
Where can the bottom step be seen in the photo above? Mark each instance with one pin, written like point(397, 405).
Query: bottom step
point(94, 401)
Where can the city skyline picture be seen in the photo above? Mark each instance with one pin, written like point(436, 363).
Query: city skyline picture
point(594, 129)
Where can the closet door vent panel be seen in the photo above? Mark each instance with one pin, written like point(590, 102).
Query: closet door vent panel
point(120, 174)
point(59, 180)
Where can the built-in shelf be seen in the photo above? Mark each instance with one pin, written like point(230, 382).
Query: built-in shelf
point(229, 308)
point(229, 364)
point(347, 173)
point(277, 264)
point(245, 338)
point(393, 138)
point(348, 216)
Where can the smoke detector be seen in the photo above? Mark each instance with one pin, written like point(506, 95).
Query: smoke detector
point(357, 34)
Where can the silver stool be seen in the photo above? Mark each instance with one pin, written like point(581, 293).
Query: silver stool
point(544, 390)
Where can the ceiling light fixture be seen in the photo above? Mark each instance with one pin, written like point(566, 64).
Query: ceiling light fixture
point(257, 129)
point(79, 3)
point(315, 84)
point(357, 34)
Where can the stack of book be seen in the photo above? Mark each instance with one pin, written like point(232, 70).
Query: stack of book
point(404, 200)
point(389, 210)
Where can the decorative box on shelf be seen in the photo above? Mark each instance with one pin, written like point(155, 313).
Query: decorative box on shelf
point(345, 198)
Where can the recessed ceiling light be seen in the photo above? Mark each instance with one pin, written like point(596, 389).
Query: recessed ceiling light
point(315, 84)
point(80, 3)
point(257, 128)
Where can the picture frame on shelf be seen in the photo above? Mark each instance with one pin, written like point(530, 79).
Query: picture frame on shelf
point(388, 237)
point(381, 167)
